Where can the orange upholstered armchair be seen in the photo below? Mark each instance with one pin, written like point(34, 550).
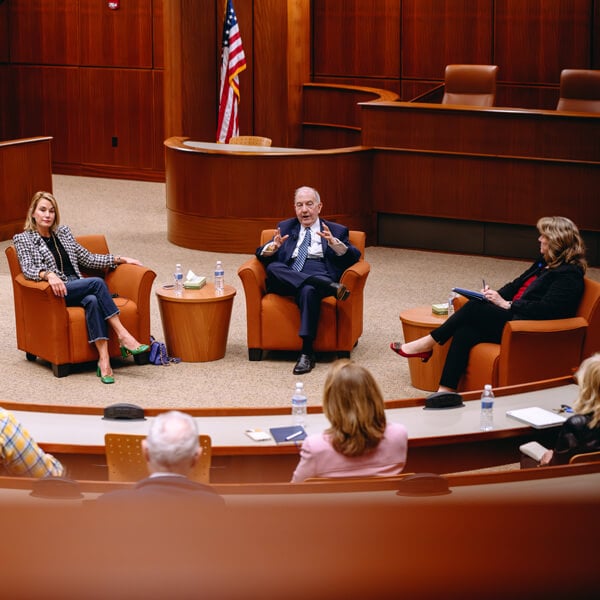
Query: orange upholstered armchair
point(273, 321)
point(48, 329)
point(473, 85)
point(536, 350)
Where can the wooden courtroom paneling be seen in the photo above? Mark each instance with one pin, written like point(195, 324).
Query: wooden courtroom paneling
point(596, 36)
point(119, 104)
point(334, 104)
point(7, 114)
point(440, 32)
point(280, 64)
point(198, 220)
point(391, 85)
point(48, 103)
point(356, 38)
point(491, 131)
point(118, 38)
point(535, 40)
point(485, 188)
point(44, 32)
point(4, 53)
point(25, 168)
point(191, 62)
point(158, 34)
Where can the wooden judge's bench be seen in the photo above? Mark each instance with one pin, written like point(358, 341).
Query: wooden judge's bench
point(431, 176)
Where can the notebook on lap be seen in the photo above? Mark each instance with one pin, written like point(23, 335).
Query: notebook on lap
point(471, 294)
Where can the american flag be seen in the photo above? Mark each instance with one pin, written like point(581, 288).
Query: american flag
point(233, 62)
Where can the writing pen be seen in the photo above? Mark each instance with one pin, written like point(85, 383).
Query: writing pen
point(483, 281)
point(293, 435)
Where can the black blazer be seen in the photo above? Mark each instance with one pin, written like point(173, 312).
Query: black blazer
point(335, 264)
point(575, 437)
point(555, 294)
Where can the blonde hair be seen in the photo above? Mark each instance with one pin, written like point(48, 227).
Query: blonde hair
point(30, 224)
point(588, 378)
point(565, 245)
point(353, 403)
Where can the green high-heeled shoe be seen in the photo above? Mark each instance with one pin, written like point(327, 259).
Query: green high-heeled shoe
point(125, 352)
point(105, 378)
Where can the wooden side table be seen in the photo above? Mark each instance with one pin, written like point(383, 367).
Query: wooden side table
point(417, 322)
point(196, 324)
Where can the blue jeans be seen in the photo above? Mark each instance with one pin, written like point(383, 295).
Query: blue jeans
point(93, 295)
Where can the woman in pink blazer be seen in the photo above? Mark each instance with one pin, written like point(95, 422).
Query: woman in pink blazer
point(359, 442)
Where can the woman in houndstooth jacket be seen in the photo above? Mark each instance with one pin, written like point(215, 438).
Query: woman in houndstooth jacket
point(48, 251)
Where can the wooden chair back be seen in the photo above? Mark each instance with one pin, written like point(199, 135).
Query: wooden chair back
point(250, 140)
point(585, 457)
point(126, 462)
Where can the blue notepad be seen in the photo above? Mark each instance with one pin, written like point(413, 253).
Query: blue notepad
point(471, 294)
point(288, 435)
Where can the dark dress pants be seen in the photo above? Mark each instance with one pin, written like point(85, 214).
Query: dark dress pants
point(283, 280)
point(474, 323)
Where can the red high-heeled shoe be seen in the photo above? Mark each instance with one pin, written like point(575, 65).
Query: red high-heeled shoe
point(397, 348)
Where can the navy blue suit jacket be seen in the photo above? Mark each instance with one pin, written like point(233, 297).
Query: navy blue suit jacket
point(335, 264)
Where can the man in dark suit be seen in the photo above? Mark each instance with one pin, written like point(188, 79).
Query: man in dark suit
point(305, 259)
point(171, 450)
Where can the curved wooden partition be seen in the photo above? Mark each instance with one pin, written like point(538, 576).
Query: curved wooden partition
point(220, 196)
point(25, 168)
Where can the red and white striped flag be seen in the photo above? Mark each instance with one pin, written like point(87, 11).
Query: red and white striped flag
point(233, 62)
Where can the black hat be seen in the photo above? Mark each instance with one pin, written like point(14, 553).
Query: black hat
point(124, 412)
point(443, 400)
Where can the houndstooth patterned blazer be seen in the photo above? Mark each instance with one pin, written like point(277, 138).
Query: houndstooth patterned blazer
point(35, 256)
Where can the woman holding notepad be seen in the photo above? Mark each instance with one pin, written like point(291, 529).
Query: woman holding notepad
point(551, 288)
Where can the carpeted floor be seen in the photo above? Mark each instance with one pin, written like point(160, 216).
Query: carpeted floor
point(132, 216)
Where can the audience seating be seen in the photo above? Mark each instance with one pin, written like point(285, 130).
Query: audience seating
point(126, 462)
point(250, 140)
point(273, 321)
point(47, 329)
point(585, 458)
point(537, 350)
point(579, 90)
point(472, 85)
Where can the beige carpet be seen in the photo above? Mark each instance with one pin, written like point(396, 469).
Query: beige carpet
point(132, 216)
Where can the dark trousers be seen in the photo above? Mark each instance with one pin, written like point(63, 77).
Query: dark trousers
point(283, 280)
point(474, 323)
point(93, 295)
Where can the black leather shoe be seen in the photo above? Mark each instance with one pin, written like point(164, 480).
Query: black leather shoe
point(340, 291)
point(305, 364)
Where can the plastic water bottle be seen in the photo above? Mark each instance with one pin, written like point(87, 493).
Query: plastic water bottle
point(219, 279)
point(299, 405)
point(451, 297)
point(178, 276)
point(487, 409)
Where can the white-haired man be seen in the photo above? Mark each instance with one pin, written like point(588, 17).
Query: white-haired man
point(306, 259)
point(171, 450)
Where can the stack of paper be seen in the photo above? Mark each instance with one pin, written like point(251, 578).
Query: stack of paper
point(537, 417)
